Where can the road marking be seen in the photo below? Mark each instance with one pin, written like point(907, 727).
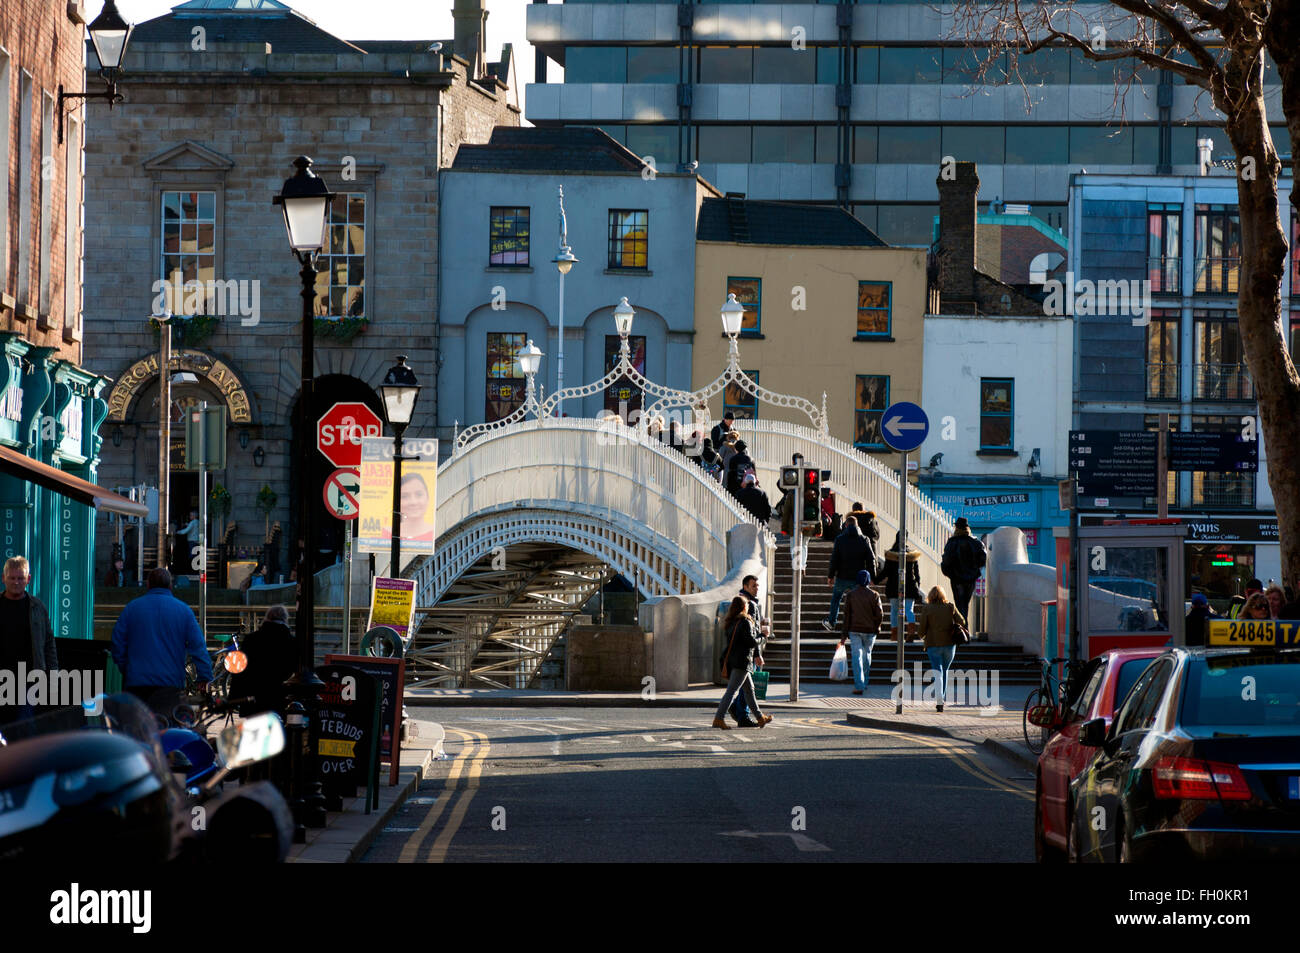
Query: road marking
point(946, 747)
point(650, 738)
point(801, 842)
point(438, 853)
point(411, 849)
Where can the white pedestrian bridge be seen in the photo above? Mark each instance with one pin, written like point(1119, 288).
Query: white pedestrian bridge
point(535, 515)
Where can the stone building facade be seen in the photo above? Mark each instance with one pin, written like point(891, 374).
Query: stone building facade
point(179, 212)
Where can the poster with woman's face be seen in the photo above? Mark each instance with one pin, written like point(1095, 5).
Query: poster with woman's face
point(417, 496)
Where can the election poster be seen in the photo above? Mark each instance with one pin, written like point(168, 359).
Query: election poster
point(417, 496)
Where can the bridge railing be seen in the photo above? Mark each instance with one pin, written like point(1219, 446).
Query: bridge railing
point(596, 464)
point(853, 474)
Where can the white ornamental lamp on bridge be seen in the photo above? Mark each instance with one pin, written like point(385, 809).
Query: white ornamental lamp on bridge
point(623, 315)
point(530, 362)
point(733, 316)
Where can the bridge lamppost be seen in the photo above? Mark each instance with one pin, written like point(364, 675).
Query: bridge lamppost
point(564, 260)
point(733, 316)
point(530, 361)
point(400, 391)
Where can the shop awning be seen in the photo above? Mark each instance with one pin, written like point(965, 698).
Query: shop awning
point(65, 484)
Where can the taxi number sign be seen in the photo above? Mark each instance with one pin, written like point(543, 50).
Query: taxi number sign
point(1253, 632)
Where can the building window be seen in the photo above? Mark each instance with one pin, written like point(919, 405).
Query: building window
point(1220, 370)
point(1222, 489)
point(783, 144)
point(189, 248)
point(506, 385)
point(596, 64)
point(874, 309)
point(1164, 244)
point(1038, 145)
point(736, 400)
point(508, 236)
point(656, 141)
point(623, 397)
point(1162, 356)
point(1218, 249)
point(782, 64)
point(727, 65)
point(749, 292)
point(997, 413)
point(72, 227)
point(629, 238)
point(341, 286)
point(650, 64)
point(870, 398)
point(24, 286)
point(6, 125)
point(47, 204)
point(725, 144)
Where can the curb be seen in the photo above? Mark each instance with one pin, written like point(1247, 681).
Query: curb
point(1012, 752)
point(336, 844)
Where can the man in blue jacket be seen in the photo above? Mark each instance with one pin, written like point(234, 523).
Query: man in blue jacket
point(151, 640)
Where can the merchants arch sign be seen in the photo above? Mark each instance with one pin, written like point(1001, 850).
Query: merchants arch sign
point(216, 372)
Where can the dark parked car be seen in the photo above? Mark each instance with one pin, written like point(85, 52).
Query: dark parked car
point(1201, 762)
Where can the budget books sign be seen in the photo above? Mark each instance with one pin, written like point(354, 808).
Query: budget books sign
point(418, 496)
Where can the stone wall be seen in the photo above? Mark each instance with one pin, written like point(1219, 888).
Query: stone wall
point(611, 658)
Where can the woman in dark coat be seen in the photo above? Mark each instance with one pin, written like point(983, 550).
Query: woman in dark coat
point(742, 642)
point(912, 587)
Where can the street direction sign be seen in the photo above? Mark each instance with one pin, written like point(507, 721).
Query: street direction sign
point(342, 493)
point(905, 426)
point(1213, 452)
point(339, 432)
point(1114, 462)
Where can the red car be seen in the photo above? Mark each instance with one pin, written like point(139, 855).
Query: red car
point(1107, 680)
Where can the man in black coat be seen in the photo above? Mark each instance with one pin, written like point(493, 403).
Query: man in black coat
point(719, 431)
point(1194, 624)
point(754, 499)
point(852, 553)
point(963, 560)
point(272, 658)
point(736, 467)
point(26, 636)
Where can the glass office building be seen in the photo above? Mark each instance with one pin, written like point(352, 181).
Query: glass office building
point(856, 104)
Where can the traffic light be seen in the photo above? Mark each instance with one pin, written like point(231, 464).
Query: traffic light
point(810, 513)
point(789, 478)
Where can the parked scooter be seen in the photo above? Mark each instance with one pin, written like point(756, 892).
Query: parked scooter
point(107, 790)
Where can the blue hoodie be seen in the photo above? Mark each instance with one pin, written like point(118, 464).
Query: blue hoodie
point(153, 635)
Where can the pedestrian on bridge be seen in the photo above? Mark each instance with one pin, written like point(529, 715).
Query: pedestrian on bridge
point(852, 553)
point(737, 467)
point(755, 500)
point(963, 561)
point(742, 642)
point(720, 430)
point(862, 618)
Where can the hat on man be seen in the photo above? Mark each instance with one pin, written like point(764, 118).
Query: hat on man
point(961, 523)
point(864, 577)
point(1200, 600)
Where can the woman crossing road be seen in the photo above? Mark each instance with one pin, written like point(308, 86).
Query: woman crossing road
point(742, 642)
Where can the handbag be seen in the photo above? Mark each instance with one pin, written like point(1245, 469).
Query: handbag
point(961, 634)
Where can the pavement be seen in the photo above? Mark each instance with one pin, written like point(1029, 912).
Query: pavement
point(347, 835)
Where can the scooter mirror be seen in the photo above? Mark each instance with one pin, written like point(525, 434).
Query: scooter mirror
point(254, 739)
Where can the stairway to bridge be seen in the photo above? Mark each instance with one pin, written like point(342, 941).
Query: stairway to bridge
point(817, 646)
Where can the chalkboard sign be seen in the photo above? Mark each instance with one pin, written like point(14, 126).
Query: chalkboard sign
point(345, 734)
point(390, 674)
point(1213, 452)
point(1114, 462)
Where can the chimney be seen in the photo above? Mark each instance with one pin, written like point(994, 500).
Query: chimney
point(957, 197)
point(471, 21)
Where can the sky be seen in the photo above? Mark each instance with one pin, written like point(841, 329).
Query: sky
point(384, 20)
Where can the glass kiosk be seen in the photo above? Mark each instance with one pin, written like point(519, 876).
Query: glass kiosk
point(1131, 586)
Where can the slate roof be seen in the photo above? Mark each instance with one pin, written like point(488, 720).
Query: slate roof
point(559, 149)
point(754, 222)
point(286, 31)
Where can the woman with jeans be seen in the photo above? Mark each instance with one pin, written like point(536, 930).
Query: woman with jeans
point(742, 641)
point(938, 626)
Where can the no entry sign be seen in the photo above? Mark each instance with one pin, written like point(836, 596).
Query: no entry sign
point(342, 491)
point(339, 432)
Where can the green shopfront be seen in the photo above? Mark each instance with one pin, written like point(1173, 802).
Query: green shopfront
point(50, 413)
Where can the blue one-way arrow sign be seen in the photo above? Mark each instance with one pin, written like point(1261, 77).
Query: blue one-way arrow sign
point(905, 426)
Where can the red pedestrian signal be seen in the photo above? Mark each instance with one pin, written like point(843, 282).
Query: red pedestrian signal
point(810, 513)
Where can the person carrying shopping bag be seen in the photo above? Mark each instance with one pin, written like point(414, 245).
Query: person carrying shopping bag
point(939, 627)
point(742, 641)
point(862, 618)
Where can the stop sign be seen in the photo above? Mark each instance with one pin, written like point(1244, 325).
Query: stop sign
point(339, 432)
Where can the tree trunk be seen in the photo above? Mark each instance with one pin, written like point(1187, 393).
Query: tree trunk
point(1259, 309)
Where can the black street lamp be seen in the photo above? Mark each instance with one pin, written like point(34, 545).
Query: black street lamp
point(305, 201)
point(110, 34)
point(400, 391)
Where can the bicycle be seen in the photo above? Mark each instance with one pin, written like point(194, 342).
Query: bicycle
point(1044, 704)
point(226, 661)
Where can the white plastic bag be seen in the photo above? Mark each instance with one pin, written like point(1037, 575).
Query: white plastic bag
point(840, 665)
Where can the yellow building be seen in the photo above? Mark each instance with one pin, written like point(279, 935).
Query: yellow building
point(829, 308)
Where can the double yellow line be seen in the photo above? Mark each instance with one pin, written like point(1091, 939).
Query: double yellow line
point(469, 763)
point(954, 751)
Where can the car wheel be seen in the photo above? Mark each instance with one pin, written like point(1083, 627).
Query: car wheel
point(1044, 853)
